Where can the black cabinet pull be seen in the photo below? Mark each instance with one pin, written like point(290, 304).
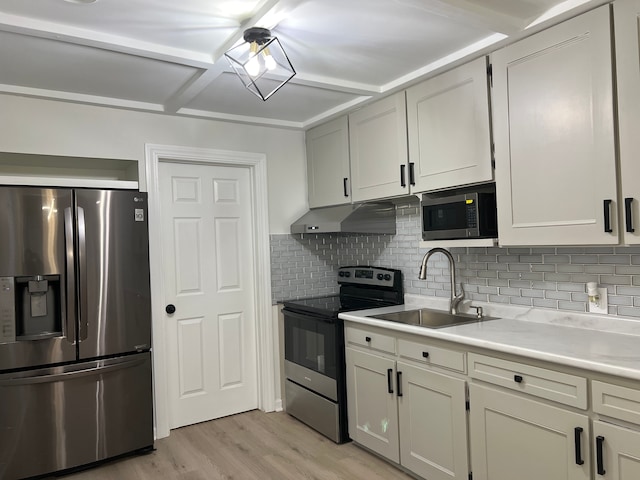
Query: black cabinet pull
point(599, 455)
point(412, 174)
point(628, 214)
point(607, 216)
point(403, 181)
point(390, 380)
point(577, 435)
point(344, 184)
point(367, 339)
point(517, 378)
point(399, 381)
point(425, 354)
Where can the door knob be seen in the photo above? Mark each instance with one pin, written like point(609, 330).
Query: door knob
point(170, 309)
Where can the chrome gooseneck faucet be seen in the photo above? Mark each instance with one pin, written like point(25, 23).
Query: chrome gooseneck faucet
point(455, 299)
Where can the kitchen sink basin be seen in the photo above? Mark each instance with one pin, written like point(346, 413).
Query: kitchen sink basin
point(426, 317)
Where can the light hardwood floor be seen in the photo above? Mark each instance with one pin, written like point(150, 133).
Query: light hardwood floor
point(252, 445)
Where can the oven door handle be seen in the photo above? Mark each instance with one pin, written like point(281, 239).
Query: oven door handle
point(307, 317)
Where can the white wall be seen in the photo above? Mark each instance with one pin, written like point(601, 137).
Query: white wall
point(45, 127)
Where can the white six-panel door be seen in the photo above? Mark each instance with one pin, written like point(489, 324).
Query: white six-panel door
point(208, 277)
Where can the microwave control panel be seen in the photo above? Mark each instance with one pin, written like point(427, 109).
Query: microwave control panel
point(472, 214)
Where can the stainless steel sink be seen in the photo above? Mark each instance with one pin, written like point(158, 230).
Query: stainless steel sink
point(425, 317)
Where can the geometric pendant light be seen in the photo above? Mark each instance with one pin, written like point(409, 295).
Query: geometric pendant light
point(261, 63)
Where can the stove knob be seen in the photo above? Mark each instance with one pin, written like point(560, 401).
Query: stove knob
point(347, 274)
point(380, 276)
point(341, 274)
point(387, 276)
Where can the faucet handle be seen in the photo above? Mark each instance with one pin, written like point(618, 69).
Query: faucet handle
point(479, 313)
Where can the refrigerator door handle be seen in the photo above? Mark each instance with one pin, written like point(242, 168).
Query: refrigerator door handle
point(96, 369)
point(82, 276)
point(70, 277)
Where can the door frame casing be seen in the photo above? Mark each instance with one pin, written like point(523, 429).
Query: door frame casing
point(265, 368)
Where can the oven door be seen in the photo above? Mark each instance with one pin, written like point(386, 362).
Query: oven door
point(310, 352)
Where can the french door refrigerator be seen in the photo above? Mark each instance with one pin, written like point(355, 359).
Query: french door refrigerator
point(75, 328)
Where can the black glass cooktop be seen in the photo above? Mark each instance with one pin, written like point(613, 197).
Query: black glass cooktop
point(331, 305)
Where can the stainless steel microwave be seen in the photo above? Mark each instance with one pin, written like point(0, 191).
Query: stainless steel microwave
point(460, 214)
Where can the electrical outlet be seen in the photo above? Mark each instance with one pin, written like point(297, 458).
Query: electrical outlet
point(599, 304)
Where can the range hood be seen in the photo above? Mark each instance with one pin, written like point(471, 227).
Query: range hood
point(353, 218)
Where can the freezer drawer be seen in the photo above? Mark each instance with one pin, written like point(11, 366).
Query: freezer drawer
point(58, 418)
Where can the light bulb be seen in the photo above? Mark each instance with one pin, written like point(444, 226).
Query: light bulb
point(269, 61)
point(253, 65)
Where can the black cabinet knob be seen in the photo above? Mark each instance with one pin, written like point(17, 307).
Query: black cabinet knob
point(425, 354)
point(367, 339)
point(517, 378)
point(170, 309)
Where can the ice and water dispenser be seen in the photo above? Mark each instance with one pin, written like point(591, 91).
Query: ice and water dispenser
point(30, 308)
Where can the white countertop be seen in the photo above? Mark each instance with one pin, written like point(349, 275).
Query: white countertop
point(609, 345)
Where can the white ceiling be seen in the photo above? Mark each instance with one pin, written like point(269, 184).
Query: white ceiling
point(167, 55)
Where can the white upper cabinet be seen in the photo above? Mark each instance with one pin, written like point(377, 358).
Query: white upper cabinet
point(378, 146)
point(627, 35)
point(328, 163)
point(448, 128)
point(554, 135)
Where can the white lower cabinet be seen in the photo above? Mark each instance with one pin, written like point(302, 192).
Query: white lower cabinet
point(516, 437)
point(617, 447)
point(372, 404)
point(433, 423)
point(617, 452)
point(405, 412)
point(444, 413)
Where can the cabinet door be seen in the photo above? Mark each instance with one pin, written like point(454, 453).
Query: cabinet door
point(627, 34)
point(433, 424)
point(378, 146)
point(554, 135)
point(448, 128)
point(515, 437)
point(328, 163)
point(371, 403)
point(620, 458)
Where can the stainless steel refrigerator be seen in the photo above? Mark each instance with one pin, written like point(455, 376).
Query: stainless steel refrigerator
point(75, 328)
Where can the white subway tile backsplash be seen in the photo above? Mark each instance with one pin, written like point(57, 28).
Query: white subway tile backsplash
point(545, 277)
point(615, 259)
point(545, 303)
point(554, 295)
point(572, 306)
point(557, 259)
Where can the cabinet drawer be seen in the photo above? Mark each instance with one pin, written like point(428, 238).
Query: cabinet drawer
point(430, 355)
point(366, 338)
point(615, 401)
point(543, 383)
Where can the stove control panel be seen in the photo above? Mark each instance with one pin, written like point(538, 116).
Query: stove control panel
point(377, 276)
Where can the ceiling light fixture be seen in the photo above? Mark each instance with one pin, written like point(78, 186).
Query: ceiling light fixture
point(261, 63)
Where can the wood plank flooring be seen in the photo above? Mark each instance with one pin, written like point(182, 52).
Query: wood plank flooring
point(248, 446)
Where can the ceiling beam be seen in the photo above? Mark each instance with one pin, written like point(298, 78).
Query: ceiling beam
point(268, 14)
point(79, 36)
point(336, 84)
point(473, 14)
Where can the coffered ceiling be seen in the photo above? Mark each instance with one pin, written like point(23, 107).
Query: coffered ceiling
point(168, 55)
